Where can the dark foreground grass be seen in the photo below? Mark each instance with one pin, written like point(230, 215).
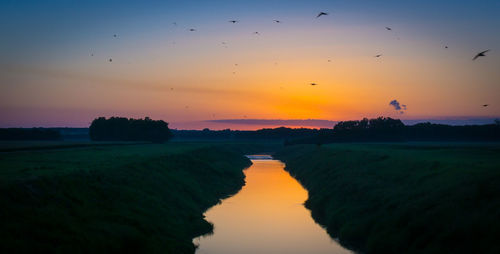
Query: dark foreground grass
point(406, 198)
point(119, 199)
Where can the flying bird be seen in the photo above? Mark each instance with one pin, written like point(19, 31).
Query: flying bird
point(321, 14)
point(233, 21)
point(314, 84)
point(485, 105)
point(257, 33)
point(114, 35)
point(378, 55)
point(445, 47)
point(174, 23)
point(192, 30)
point(110, 60)
point(480, 54)
point(277, 21)
point(388, 28)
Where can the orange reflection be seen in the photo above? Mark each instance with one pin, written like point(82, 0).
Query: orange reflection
point(266, 216)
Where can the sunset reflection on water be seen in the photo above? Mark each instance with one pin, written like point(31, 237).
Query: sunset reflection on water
point(266, 216)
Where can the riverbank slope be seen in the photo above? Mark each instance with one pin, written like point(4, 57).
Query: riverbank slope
point(403, 198)
point(146, 198)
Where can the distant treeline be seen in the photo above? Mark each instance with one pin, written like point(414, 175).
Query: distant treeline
point(29, 134)
point(280, 133)
point(128, 129)
point(393, 130)
point(367, 130)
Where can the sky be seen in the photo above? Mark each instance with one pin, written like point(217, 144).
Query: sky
point(55, 67)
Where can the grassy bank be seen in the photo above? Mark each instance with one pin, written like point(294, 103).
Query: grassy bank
point(405, 198)
point(113, 199)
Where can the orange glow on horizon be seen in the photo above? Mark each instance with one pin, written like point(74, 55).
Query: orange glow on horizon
point(259, 77)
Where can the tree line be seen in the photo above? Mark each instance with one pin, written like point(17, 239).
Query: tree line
point(386, 129)
point(379, 129)
point(280, 133)
point(129, 129)
point(29, 134)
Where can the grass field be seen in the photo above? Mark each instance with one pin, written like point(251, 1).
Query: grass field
point(142, 198)
point(403, 198)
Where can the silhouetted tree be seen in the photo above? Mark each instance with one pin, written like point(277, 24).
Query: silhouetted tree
point(393, 130)
point(123, 129)
point(280, 133)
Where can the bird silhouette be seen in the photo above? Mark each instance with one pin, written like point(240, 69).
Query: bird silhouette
point(388, 28)
point(257, 33)
point(114, 35)
point(174, 23)
point(378, 55)
point(485, 105)
point(192, 29)
point(445, 47)
point(321, 14)
point(314, 84)
point(233, 21)
point(480, 54)
point(277, 21)
point(110, 60)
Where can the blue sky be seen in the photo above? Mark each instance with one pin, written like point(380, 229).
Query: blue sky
point(47, 25)
point(55, 69)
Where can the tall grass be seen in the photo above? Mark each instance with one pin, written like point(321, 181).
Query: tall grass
point(408, 198)
point(123, 199)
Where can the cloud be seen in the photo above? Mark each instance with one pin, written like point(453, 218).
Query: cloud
point(397, 106)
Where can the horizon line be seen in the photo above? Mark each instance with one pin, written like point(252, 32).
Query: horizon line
point(291, 123)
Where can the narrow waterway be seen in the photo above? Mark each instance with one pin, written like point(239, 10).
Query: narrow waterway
point(267, 217)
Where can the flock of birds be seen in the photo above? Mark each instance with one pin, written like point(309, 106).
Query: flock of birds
point(320, 14)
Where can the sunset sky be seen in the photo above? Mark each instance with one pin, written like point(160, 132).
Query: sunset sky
point(55, 68)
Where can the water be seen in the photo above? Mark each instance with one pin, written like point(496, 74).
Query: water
point(267, 217)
